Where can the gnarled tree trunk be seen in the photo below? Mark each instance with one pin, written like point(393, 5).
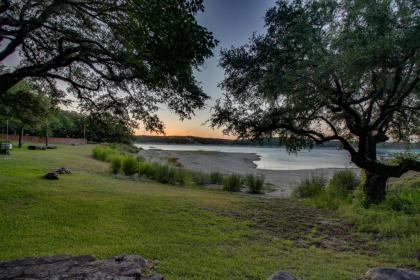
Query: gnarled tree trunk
point(374, 187)
point(375, 184)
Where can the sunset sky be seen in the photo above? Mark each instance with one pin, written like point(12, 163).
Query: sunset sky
point(232, 23)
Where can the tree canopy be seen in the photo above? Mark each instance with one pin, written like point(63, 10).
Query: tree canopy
point(140, 53)
point(328, 70)
point(25, 105)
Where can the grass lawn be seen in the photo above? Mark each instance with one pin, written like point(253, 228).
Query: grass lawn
point(191, 233)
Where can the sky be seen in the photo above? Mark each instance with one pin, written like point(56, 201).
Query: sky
point(232, 23)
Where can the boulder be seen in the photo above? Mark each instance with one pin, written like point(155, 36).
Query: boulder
point(63, 170)
point(51, 176)
point(41, 148)
point(63, 267)
point(282, 275)
point(391, 274)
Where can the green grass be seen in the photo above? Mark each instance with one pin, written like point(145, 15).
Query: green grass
point(193, 233)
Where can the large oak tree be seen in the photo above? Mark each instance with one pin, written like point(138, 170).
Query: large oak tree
point(137, 52)
point(347, 71)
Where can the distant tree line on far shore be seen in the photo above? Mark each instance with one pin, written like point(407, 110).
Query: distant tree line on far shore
point(275, 142)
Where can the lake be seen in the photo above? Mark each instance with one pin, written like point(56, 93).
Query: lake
point(275, 158)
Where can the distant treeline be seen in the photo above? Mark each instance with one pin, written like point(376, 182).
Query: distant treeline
point(194, 140)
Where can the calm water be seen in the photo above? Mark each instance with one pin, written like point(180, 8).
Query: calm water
point(279, 158)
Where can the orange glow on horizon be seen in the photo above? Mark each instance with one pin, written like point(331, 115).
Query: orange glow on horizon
point(204, 132)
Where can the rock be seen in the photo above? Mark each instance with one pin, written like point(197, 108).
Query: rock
point(32, 147)
point(51, 176)
point(282, 275)
point(63, 170)
point(391, 274)
point(63, 267)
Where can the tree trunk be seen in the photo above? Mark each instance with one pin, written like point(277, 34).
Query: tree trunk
point(375, 184)
point(375, 187)
point(20, 145)
point(46, 136)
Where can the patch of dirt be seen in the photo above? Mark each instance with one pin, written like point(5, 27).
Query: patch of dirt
point(305, 225)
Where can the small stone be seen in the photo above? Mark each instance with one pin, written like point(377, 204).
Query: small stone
point(391, 274)
point(63, 170)
point(282, 275)
point(51, 176)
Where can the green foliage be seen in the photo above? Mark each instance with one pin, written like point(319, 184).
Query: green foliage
point(254, 183)
point(130, 165)
point(397, 158)
point(342, 184)
point(317, 74)
point(146, 51)
point(216, 178)
point(25, 106)
point(232, 183)
point(116, 164)
point(310, 187)
point(104, 153)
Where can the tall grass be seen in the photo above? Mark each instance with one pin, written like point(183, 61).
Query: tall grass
point(129, 165)
point(254, 183)
point(216, 178)
point(232, 183)
point(116, 164)
point(105, 153)
point(174, 174)
point(310, 187)
point(342, 184)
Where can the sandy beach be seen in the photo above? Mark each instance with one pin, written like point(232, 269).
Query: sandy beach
point(283, 181)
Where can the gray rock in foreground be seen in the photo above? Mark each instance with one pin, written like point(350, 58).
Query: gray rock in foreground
point(281, 275)
point(125, 267)
point(391, 274)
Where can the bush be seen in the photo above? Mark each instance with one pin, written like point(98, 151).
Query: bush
point(129, 165)
point(104, 153)
point(397, 158)
point(342, 184)
point(147, 169)
point(116, 164)
point(254, 183)
point(200, 179)
point(216, 178)
point(232, 183)
point(310, 187)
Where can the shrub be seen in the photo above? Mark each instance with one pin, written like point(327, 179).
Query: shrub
point(147, 169)
point(182, 177)
point(116, 164)
point(129, 165)
point(342, 184)
point(200, 179)
point(397, 158)
point(310, 187)
point(216, 178)
point(104, 153)
point(254, 183)
point(232, 183)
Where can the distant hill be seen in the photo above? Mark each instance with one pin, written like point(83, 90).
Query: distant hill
point(194, 140)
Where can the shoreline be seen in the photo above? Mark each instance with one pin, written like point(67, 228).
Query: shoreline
point(282, 181)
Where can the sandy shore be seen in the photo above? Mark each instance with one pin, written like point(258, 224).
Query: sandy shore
point(283, 181)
